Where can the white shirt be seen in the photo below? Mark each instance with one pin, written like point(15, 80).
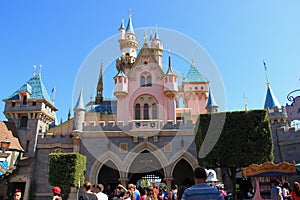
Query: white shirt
point(101, 196)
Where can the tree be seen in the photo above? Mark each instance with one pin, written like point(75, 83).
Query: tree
point(246, 138)
point(66, 170)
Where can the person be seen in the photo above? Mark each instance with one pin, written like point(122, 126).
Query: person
point(180, 191)
point(222, 190)
point(150, 194)
point(155, 189)
point(136, 193)
point(173, 192)
point(98, 191)
point(87, 193)
point(17, 194)
point(296, 191)
point(276, 192)
point(128, 195)
point(201, 190)
point(143, 192)
point(56, 193)
point(286, 191)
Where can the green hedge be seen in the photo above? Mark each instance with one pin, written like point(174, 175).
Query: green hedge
point(66, 169)
point(245, 138)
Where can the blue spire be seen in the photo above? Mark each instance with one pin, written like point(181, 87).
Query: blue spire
point(129, 28)
point(156, 37)
point(271, 101)
point(211, 100)
point(80, 104)
point(122, 24)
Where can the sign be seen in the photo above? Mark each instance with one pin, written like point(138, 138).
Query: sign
point(293, 110)
point(269, 167)
point(3, 167)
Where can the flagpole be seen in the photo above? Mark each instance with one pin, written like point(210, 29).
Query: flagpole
point(53, 95)
point(265, 68)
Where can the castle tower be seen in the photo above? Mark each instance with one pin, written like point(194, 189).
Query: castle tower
point(121, 82)
point(195, 88)
point(211, 105)
point(99, 95)
point(127, 41)
point(31, 110)
point(79, 113)
point(157, 47)
point(170, 82)
point(122, 31)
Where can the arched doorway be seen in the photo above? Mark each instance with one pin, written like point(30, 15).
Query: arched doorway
point(145, 166)
point(109, 176)
point(183, 173)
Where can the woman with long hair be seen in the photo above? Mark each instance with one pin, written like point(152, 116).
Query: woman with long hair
point(296, 191)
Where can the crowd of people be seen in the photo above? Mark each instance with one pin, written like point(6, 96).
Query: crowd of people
point(200, 190)
point(281, 191)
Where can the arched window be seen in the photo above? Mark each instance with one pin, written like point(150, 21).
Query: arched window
point(24, 100)
point(146, 111)
point(137, 111)
point(154, 111)
point(23, 123)
point(142, 81)
point(149, 81)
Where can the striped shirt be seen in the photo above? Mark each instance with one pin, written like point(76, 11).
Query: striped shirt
point(202, 191)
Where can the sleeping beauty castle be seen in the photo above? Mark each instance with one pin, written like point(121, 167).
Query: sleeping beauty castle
point(143, 132)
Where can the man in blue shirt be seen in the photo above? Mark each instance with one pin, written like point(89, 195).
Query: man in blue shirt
point(201, 190)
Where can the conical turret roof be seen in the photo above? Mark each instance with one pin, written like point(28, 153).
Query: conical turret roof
point(80, 104)
point(194, 75)
point(271, 101)
point(129, 28)
point(211, 100)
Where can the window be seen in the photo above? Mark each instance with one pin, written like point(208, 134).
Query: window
point(23, 123)
point(24, 100)
point(146, 111)
point(13, 104)
point(149, 81)
point(33, 103)
point(154, 111)
point(137, 111)
point(142, 81)
point(145, 78)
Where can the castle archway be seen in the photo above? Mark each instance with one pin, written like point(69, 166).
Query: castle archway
point(108, 176)
point(183, 173)
point(144, 165)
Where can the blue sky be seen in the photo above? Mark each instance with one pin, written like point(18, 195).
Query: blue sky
point(237, 36)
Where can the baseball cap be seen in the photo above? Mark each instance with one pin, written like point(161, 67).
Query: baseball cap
point(56, 190)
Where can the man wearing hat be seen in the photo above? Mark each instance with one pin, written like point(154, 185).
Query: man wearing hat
point(201, 190)
point(17, 194)
point(56, 193)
